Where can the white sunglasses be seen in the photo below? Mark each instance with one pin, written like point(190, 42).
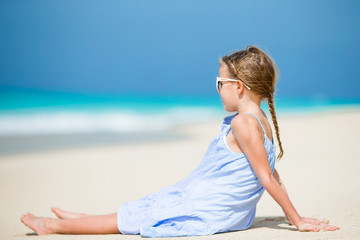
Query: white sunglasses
point(219, 81)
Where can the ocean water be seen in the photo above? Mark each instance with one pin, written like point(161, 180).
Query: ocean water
point(25, 112)
point(32, 112)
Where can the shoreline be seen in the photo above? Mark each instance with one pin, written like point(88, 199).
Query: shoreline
point(319, 110)
point(13, 145)
point(33, 143)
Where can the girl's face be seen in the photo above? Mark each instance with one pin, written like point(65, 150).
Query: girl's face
point(228, 91)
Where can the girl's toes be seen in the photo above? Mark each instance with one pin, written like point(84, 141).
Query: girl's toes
point(58, 212)
point(26, 216)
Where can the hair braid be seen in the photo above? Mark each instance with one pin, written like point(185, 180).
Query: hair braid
point(274, 119)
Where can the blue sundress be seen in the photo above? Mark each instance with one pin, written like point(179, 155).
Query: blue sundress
point(220, 195)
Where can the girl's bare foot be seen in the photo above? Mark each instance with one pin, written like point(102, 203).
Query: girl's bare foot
point(67, 215)
point(42, 226)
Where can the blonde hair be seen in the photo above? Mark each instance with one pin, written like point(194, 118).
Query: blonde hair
point(256, 69)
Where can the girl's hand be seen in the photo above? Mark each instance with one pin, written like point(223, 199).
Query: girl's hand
point(308, 220)
point(314, 225)
point(313, 221)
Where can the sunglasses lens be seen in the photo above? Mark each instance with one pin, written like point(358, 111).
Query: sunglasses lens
point(219, 85)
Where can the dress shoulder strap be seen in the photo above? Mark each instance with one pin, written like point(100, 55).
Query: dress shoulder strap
point(262, 127)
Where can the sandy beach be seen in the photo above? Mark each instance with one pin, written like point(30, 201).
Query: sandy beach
point(320, 169)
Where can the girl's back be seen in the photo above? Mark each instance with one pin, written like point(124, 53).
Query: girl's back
point(261, 117)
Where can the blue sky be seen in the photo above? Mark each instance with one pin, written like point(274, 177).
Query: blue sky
point(172, 47)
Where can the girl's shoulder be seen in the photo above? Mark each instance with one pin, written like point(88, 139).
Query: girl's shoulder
point(251, 124)
point(227, 120)
point(246, 125)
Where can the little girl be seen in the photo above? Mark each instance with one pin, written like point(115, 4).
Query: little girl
point(221, 194)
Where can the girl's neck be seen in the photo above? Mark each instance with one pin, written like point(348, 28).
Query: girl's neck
point(249, 103)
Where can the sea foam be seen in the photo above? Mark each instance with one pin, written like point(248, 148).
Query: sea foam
point(91, 121)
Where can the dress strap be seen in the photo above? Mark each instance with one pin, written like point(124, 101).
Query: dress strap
point(259, 122)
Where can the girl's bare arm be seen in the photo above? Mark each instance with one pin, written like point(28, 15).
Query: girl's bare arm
point(305, 219)
point(248, 135)
point(277, 177)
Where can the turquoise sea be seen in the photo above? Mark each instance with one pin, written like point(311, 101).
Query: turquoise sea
point(34, 112)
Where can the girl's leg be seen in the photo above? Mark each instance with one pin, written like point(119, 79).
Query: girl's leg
point(101, 224)
point(67, 215)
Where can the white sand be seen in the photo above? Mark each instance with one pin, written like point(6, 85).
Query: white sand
point(320, 170)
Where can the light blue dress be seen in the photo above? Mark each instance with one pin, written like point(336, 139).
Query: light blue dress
point(220, 195)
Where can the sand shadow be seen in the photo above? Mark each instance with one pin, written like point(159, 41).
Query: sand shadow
point(275, 222)
point(32, 234)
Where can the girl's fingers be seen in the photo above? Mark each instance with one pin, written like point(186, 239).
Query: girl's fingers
point(321, 224)
point(315, 225)
point(308, 227)
point(328, 227)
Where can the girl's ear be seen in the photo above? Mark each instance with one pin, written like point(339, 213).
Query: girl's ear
point(240, 87)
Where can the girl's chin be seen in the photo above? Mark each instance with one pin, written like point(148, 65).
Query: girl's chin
point(229, 110)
